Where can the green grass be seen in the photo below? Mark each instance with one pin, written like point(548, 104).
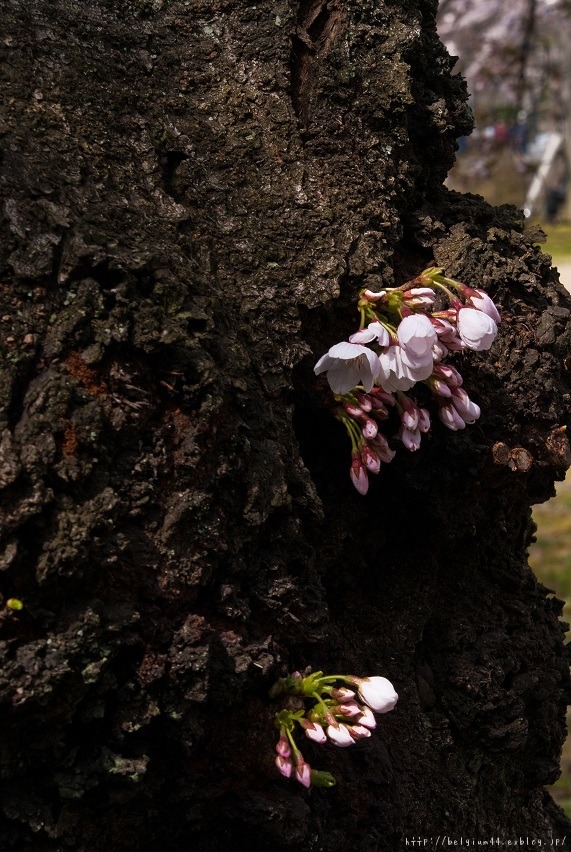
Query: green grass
point(550, 559)
point(558, 243)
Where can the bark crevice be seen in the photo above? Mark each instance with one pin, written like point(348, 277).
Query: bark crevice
point(318, 24)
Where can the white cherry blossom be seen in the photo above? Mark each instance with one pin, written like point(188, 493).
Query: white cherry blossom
point(476, 329)
point(347, 365)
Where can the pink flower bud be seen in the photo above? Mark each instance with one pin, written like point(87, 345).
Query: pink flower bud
point(367, 718)
point(342, 694)
point(420, 297)
point(284, 765)
point(468, 410)
point(450, 375)
point(374, 297)
point(313, 731)
point(340, 735)
point(409, 419)
point(350, 709)
point(379, 393)
point(443, 328)
point(359, 732)
point(441, 388)
point(411, 439)
point(282, 747)
point(370, 428)
point(439, 352)
point(382, 449)
point(358, 474)
point(379, 409)
point(423, 420)
point(370, 459)
point(353, 410)
point(451, 418)
point(364, 401)
point(303, 774)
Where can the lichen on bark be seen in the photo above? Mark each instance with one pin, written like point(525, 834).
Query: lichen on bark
point(193, 195)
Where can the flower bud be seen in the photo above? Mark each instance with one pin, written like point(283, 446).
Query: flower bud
point(364, 401)
point(440, 388)
point(370, 428)
point(350, 709)
point(284, 765)
point(378, 693)
point(370, 459)
point(420, 297)
point(411, 439)
point(358, 475)
point(423, 420)
point(367, 718)
point(342, 694)
point(313, 731)
point(322, 779)
point(283, 747)
point(340, 735)
point(359, 732)
point(353, 410)
point(451, 418)
point(303, 774)
point(468, 410)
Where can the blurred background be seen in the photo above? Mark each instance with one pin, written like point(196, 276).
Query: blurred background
point(516, 58)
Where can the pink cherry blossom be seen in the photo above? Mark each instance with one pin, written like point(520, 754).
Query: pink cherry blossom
point(443, 328)
point(416, 336)
point(480, 300)
point(439, 351)
point(476, 329)
point(374, 331)
point(398, 373)
point(347, 365)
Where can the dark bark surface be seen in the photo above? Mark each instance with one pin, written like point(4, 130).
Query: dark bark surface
point(194, 194)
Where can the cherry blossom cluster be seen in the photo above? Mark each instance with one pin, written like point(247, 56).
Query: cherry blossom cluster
point(326, 713)
point(404, 337)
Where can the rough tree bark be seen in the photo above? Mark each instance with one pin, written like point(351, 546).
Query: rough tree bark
point(194, 194)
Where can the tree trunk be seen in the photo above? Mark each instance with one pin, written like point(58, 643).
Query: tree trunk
point(194, 195)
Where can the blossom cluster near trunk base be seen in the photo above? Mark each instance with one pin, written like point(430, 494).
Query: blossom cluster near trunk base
point(326, 713)
point(412, 329)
